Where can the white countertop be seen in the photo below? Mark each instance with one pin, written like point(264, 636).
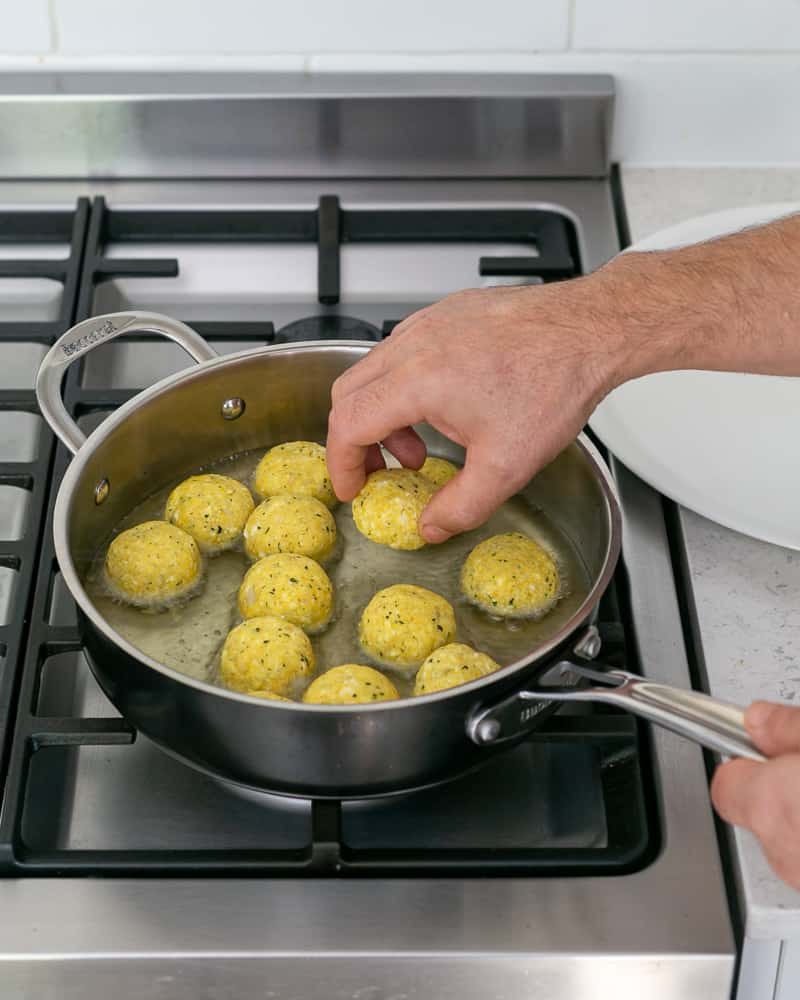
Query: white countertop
point(746, 592)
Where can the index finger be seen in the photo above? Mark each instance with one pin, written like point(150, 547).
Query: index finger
point(366, 417)
point(370, 367)
point(377, 359)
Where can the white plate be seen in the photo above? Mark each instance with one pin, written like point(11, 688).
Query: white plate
point(724, 445)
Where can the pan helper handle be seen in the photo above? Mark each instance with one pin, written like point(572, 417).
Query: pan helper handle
point(84, 337)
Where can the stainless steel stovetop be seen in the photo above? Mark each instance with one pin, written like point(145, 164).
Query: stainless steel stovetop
point(123, 872)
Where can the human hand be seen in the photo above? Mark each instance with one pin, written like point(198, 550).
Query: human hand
point(765, 798)
point(511, 374)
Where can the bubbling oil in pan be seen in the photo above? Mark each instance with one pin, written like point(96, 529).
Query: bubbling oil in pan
point(189, 635)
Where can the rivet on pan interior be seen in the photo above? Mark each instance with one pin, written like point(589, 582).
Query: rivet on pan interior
point(101, 491)
point(489, 730)
point(588, 646)
point(233, 408)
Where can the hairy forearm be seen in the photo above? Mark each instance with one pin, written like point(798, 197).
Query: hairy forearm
point(731, 304)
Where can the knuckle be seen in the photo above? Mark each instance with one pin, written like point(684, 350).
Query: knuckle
point(357, 407)
point(407, 328)
point(420, 332)
point(504, 471)
point(338, 422)
point(338, 389)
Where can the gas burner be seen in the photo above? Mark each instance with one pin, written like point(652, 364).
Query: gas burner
point(360, 217)
point(327, 327)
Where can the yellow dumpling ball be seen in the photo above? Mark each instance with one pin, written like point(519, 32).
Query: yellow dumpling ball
point(451, 665)
point(298, 468)
point(267, 695)
point(266, 656)
point(296, 524)
point(511, 576)
point(349, 684)
point(388, 508)
point(290, 586)
point(152, 564)
point(404, 623)
point(438, 470)
point(213, 509)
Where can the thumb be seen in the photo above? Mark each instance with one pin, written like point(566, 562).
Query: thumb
point(775, 728)
point(733, 790)
point(467, 500)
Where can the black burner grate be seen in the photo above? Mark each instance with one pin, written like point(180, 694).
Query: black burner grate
point(106, 225)
point(32, 475)
point(45, 227)
point(602, 752)
point(549, 235)
point(604, 749)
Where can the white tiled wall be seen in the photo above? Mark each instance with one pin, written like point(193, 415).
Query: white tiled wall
point(700, 81)
point(253, 26)
point(24, 26)
point(688, 25)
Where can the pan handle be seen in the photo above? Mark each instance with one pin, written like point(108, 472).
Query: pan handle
point(84, 337)
point(715, 724)
point(708, 721)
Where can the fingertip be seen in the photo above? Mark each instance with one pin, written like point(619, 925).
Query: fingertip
point(348, 482)
point(731, 790)
point(441, 518)
point(349, 491)
point(775, 727)
point(758, 715)
point(453, 509)
point(434, 534)
point(347, 460)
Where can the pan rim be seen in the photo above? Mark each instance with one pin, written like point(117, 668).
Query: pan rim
point(65, 497)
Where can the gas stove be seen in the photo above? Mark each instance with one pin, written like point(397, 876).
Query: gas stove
point(582, 862)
